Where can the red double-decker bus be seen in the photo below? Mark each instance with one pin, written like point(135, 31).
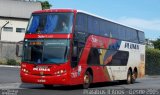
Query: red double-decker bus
point(71, 47)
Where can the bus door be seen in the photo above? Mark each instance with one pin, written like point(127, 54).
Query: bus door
point(93, 61)
point(75, 67)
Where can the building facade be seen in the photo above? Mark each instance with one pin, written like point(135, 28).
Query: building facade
point(13, 31)
point(14, 17)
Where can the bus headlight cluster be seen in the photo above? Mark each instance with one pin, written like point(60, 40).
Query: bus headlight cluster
point(25, 70)
point(60, 72)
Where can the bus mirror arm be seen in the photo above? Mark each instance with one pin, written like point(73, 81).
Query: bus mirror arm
point(19, 46)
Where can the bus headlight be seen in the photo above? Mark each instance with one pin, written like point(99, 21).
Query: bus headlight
point(25, 70)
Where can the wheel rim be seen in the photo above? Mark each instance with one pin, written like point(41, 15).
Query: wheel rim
point(129, 78)
point(135, 75)
point(86, 79)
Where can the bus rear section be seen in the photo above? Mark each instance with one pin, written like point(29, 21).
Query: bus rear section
point(110, 51)
point(71, 47)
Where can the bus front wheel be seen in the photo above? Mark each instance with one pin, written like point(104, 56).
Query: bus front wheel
point(87, 80)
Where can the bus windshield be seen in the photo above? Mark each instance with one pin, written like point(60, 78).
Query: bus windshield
point(49, 23)
point(52, 51)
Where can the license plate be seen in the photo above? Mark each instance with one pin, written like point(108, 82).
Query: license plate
point(41, 80)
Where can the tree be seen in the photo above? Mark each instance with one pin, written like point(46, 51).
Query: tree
point(45, 5)
point(157, 44)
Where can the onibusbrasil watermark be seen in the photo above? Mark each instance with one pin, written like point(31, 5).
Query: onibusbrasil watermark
point(121, 92)
point(8, 92)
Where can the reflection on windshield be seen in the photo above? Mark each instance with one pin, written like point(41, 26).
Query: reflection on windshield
point(50, 23)
point(46, 51)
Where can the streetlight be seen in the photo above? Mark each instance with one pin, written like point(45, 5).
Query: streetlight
point(2, 28)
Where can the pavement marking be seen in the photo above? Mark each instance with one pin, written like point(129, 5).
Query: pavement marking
point(10, 66)
point(10, 86)
point(19, 85)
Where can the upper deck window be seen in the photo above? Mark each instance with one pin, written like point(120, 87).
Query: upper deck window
point(50, 23)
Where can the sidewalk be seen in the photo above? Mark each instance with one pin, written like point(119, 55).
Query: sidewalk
point(10, 66)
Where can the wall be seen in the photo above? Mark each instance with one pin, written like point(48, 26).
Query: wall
point(8, 51)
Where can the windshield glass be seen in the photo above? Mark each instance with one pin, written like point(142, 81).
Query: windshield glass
point(50, 23)
point(46, 51)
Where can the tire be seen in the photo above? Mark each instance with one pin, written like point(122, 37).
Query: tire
point(47, 86)
point(134, 76)
point(87, 80)
point(129, 77)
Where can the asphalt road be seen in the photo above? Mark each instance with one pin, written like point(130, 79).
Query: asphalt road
point(9, 75)
point(10, 84)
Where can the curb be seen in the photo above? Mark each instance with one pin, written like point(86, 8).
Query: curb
point(10, 66)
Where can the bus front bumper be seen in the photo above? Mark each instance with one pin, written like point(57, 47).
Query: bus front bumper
point(50, 80)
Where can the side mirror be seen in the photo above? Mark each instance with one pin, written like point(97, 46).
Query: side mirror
point(19, 49)
point(74, 51)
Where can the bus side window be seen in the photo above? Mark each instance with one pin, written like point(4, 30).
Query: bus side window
point(81, 23)
point(80, 32)
point(120, 58)
point(93, 57)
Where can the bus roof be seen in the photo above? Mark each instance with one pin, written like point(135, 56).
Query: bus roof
point(80, 11)
point(55, 10)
